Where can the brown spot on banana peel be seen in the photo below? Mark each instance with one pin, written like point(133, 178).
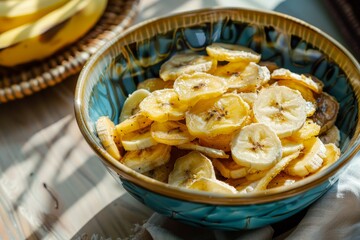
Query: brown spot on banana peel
point(326, 111)
point(48, 34)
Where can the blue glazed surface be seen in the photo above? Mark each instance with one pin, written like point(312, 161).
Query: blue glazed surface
point(141, 60)
point(225, 217)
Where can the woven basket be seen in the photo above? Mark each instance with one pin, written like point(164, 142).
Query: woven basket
point(24, 80)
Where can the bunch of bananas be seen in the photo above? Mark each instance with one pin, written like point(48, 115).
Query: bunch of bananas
point(35, 29)
point(225, 123)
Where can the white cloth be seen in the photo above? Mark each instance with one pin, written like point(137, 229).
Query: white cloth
point(334, 216)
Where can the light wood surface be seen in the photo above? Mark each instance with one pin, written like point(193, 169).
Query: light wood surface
point(52, 186)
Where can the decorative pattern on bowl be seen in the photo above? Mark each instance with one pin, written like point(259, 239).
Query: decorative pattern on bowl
point(114, 71)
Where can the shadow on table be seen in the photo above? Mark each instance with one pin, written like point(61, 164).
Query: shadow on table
point(42, 146)
point(119, 219)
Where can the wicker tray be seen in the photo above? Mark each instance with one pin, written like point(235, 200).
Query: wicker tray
point(22, 81)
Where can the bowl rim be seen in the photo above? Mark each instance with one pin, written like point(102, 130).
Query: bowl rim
point(157, 187)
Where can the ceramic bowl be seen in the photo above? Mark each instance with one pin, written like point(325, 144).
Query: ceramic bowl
point(114, 71)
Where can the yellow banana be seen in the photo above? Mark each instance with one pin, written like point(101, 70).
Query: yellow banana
point(105, 129)
point(310, 160)
point(147, 159)
point(131, 104)
point(14, 13)
point(43, 37)
point(171, 133)
point(230, 169)
point(212, 185)
point(189, 168)
point(207, 151)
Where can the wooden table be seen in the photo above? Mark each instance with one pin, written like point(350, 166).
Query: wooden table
point(52, 186)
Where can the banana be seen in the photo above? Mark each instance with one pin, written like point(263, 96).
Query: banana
point(282, 179)
point(255, 175)
point(105, 129)
point(250, 79)
point(14, 13)
point(230, 169)
point(189, 168)
point(43, 37)
point(302, 79)
point(212, 185)
point(147, 159)
point(162, 172)
point(326, 111)
point(133, 123)
point(232, 53)
point(274, 171)
point(289, 146)
point(186, 63)
point(221, 115)
point(138, 140)
point(310, 160)
point(256, 146)
point(282, 108)
point(306, 93)
point(221, 141)
point(163, 105)
point(131, 104)
point(308, 130)
point(332, 154)
point(249, 97)
point(230, 69)
point(153, 84)
point(207, 151)
point(171, 133)
point(197, 86)
point(331, 136)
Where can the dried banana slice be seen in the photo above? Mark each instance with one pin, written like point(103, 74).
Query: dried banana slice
point(274, 171)
point(133, 123)
point(212, 185)
point(308, 130)
point(197, 86)
point(282, 108)
point(171, 133)
point(138, 140)
point(207, 151)
point(232, 53)
point(230, 169)
point(250, 79)
point(289, 146)
point(221, 115)
point(189, 168)
point(308, 82)
point(153, 84)
point(221, 141)
point(131, 104)
point(186, 63)
point(332, 154)
point(249, 97)
point(326, 111)
point(282, 179)
point(310, 160)
point(163, 105)
point(147, 159)
point(105, 129)
point(306, 93)
point(256, 146)
point(162, 172)
point(331, 136)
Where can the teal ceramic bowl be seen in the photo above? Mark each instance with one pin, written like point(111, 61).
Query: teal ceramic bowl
point(137, 54)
